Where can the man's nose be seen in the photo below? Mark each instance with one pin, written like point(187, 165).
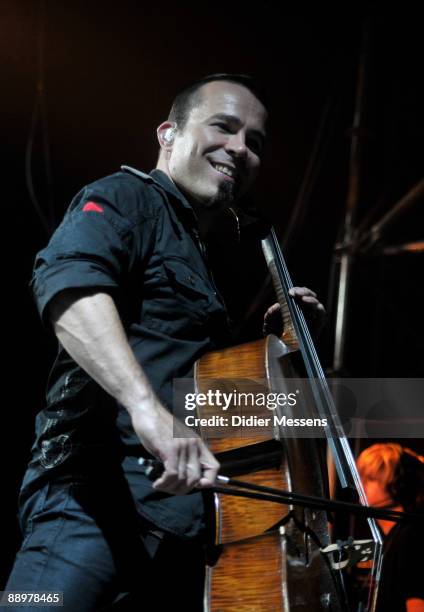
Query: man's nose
point(236, 145)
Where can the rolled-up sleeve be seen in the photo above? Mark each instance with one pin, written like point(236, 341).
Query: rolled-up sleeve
point(89, 249)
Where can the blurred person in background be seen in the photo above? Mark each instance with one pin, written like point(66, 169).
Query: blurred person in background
point(393, 478)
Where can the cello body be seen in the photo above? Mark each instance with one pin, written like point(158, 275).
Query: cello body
point(271, 557)
point(269, 560)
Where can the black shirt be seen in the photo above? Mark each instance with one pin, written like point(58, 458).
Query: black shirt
point(135, 236)
point(402, 570)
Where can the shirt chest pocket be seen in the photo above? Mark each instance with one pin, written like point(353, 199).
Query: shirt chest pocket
point(188, 292)
point(179, 301)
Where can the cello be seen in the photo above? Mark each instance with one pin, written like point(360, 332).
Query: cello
point(271, 555)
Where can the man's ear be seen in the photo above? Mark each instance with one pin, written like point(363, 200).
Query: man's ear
point(166, 133)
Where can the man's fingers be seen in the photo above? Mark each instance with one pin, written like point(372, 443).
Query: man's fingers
point(191, 466)
point(208, 478)
point(210, 469)
point(300, 291)
point(185, 457)
point(170, 477)
point(309, 299)
point(166, 482)
point(182, 463)
point(273, 321)
point(194, 470)
point(272, 310)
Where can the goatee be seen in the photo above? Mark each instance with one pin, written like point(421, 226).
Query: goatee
point(226, 194)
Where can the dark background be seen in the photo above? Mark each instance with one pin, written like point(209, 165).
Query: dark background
point(109, 73)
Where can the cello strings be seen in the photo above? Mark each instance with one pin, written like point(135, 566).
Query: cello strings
point(344, 461)
point(323, 398)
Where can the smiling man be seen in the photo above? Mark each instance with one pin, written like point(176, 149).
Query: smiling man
point(214, 153)
point(125, 285)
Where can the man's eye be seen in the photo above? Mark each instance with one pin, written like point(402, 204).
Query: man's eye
point(222, 126)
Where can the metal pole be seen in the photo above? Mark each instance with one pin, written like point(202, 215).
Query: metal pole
point(343, 252)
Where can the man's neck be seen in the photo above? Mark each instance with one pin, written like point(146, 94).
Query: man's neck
point(163, 166)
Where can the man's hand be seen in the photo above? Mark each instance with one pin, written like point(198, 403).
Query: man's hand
point(312, 308)
point(187, 461)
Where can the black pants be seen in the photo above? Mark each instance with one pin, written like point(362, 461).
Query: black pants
point(87, 542)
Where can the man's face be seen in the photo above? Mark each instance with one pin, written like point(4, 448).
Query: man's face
point(216, 157)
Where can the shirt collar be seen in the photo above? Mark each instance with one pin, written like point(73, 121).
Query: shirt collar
point(163, 180)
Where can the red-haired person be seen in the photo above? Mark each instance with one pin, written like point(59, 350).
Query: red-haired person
point(393, 477)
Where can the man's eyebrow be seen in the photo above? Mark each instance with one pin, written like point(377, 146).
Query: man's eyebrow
point(236, 120)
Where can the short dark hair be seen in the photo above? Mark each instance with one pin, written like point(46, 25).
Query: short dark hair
point(190, 96)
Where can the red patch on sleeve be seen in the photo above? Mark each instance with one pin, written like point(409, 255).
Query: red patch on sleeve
point(93, 206)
